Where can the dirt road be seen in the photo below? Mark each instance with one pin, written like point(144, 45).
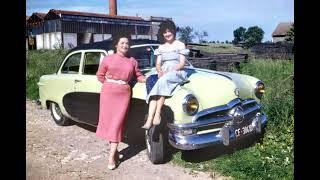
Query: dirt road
point(74, 152)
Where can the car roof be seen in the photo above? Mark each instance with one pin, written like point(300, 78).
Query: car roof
point(107, 44)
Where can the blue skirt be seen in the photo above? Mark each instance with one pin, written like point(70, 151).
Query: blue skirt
point(151, 81)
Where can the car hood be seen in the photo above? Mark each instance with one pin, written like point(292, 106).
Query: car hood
point(210, 87)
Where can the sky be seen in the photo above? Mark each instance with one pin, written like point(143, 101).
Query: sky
point(218, 17)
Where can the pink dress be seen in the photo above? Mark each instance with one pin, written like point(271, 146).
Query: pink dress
point(115, 98)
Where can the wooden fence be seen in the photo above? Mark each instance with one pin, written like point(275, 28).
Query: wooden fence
point(219, 61)
point(279, 50)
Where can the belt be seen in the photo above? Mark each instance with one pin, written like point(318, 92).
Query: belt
point(116, 81)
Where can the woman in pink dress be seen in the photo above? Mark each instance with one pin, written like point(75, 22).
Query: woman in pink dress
point(115, 72)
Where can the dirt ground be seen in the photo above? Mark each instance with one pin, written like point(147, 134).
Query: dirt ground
point(74, 152)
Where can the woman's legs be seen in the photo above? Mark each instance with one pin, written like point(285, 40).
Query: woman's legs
point(113, 155)
point(157, 115)
point(154, 112)
point(151, 112)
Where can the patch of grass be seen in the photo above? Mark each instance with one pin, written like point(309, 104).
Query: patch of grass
point(272, 158)
point(38, 63)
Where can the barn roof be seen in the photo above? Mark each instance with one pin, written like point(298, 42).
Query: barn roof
point(282, 28)
point(77, 13)
point(36, 17)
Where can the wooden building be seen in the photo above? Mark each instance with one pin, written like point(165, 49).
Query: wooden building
point(280, 32)
point(67, 29)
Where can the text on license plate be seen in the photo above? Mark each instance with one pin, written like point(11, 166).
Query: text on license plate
point(243, 130)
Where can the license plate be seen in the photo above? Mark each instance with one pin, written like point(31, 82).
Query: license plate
point(243, 130)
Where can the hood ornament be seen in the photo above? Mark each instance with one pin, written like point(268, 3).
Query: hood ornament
point(237, 114)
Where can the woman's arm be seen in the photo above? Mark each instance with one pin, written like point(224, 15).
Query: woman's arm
point(181, 64)
point(158, 66)
point(101, 73)
point(140, 77)
point(182, 58)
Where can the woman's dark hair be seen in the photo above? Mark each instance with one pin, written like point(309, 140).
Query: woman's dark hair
point(117, 36)
point(163, 27)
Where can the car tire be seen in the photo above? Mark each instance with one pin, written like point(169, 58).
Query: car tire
point(155, 144)
point(57, 115)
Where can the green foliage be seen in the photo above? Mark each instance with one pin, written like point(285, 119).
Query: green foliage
point(252, 36)
point(272, 158)
point(290, 34)
point(239, 34)
point(38, 63)
point(186, 34)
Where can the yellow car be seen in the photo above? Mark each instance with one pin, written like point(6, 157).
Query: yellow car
point(211, 108)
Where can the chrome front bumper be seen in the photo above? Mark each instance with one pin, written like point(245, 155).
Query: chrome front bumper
point(222, 136)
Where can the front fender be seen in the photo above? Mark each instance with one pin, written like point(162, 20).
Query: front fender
point(175, 103)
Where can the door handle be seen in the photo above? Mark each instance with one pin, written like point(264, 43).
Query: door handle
point(77, 80)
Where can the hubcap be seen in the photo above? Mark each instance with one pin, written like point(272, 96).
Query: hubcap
point(56, 111)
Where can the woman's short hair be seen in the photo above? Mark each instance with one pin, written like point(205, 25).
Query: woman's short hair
point(117, 36)
point(163, 27)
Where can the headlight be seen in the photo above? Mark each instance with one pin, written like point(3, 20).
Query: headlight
point(190, 104)
point(259, 90)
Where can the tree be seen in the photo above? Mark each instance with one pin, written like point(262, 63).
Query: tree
point(252, 36)
point(239, 34)
point(290, 34)
point(186, 34)
point(227, 42)
point(201, 35)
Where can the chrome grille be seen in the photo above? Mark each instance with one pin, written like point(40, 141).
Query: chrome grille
point(218, 116)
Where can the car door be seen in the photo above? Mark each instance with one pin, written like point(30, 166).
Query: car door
point(87, 88)
point(68, 74)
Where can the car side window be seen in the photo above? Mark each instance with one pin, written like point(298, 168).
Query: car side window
point(72, 64)
point(91, 62)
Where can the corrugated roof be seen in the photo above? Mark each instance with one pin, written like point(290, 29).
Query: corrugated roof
point(36, 17)
point(282, 29)
point(94, 14)
point(40, 15)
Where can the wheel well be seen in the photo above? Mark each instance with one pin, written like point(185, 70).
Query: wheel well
point(48, 104)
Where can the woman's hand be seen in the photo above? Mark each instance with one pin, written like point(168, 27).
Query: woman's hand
point(143, 80)
point(108, 76)
point(160, 73)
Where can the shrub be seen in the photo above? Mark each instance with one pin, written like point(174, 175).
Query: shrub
point(38, 63)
